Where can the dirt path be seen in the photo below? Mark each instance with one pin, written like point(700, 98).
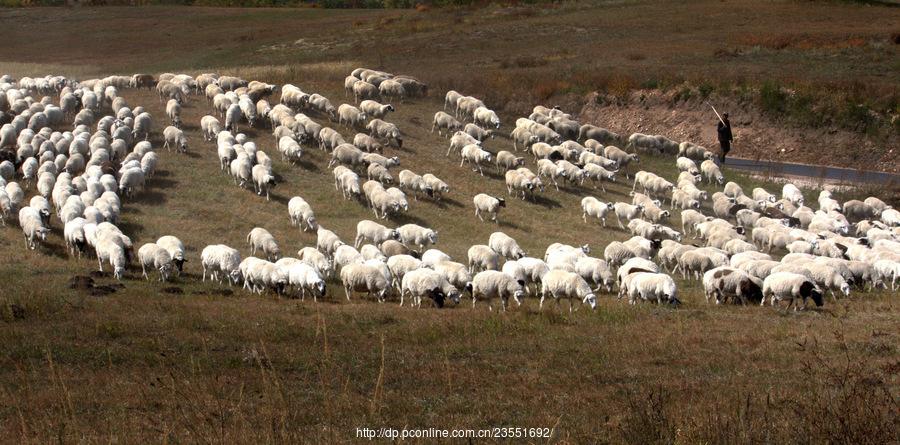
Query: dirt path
point(756, 136)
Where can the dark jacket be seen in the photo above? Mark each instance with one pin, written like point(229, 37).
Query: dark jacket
point(724, 131)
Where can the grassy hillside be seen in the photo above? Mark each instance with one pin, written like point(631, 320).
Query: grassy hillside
point(191, 361)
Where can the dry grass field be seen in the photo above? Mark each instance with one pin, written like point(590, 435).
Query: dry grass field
point(188, 361)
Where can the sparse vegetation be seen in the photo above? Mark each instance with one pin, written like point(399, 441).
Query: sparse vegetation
point(87, 360)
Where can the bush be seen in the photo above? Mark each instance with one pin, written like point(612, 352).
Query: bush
point(772, 98)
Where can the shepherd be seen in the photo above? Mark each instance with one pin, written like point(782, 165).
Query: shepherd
point(723, 127)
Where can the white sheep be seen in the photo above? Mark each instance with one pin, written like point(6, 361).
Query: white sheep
point(317, 260)
point(263, 180)
point(301, 214)
point(505, 245)
point(595, 208)
point(711, 171)
point(111, 250)
point(473, 154)
point(627, 212)
point(485, 117)
point(419, 283)
point(488, 205)
point(31, 220)
point(174, 137)
point(306, 278)
point(367, 230)
point(790, 286)
point(443, 121)
point(154, 256)
point(482, 257)
point(417, 236)
point(358, 277)
point(261, 239)
point(652, 286)
point(563, 284)
point(385, 131)
point(491, 284)
point(219, 258)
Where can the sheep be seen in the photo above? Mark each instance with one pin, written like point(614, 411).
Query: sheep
point(321, 104)
point(261, 239)
point(417, 236)
point(596, 271)
point(175, 248)
point(876, 203)
point(467, 105)
point(697, 261)
point(233, 115)
point(390, 88)
point(790, 286)
point(173, 111)
point(111, 251)
point(626, 211)
point(436, 185)
point(367, 230)
point(31, 220)
point(891, 217)
point(491, 284)
point(733, 190)
point(451, 98)
point(174, 137)
point(518, 183)
point(477, 132)
point(460, 140)
point(444, 121)
point(791, 193)
point(367, 143)
point(594, 208)
point(485, 117)
point(364, 90)
point(888, 270)
point(473, 154)
point(488, 205)
point(386, 131)
point(379, 173)
point(508, 161)
point(347, 181)
point(317, 260)
point(351, 116)
point(482, 257)
point(73, 233)
point(375, 158)
point(522, 136)
point(652, 286)
point(711, 172)
point(301, 214)
point(357, 277)
point(505, 245)
point(346, 154)
point(375, 109)
point(562, 284)
point(602, 135)
point(420, 283)
point(384, 202)
point(410, 181)
point(726, 282)
point(687, 165)
point(856, 210)
point(263, 180)
point(154, 256)
point(219, 258)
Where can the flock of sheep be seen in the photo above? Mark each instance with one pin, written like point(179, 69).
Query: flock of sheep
point(83, 176)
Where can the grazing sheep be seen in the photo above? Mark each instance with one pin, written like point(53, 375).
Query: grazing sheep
point(364, 90)
point(711, 172)
point(491, 284)
point(485, 117)
point(488, 205)
point(301, 214)
point(263, 180)
point(856, 210)
point(482, 257)
point(562, 284)
point(687, 165)
point(652, 286)
point(410, 181)
point(112, 252)
point(152, 255)
point(379, 173)
point(210, 127)
point(233, 115)
point(726, 282)
point(386, 131)
point(392, 89)
point(351, 116)
point(437, 186)
point(367, 143)
point(175, 248)
point(517, 183)
point(219, 258)
point(888, 270)
point(421, 282)
point(305, 277)
point(790, 286)
point(364, 277)
point(261, 239)
point(791, 193)
point(174, 137)
point(444, 121)
point(31, 220)
point(346, 154)
point(506, 246)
